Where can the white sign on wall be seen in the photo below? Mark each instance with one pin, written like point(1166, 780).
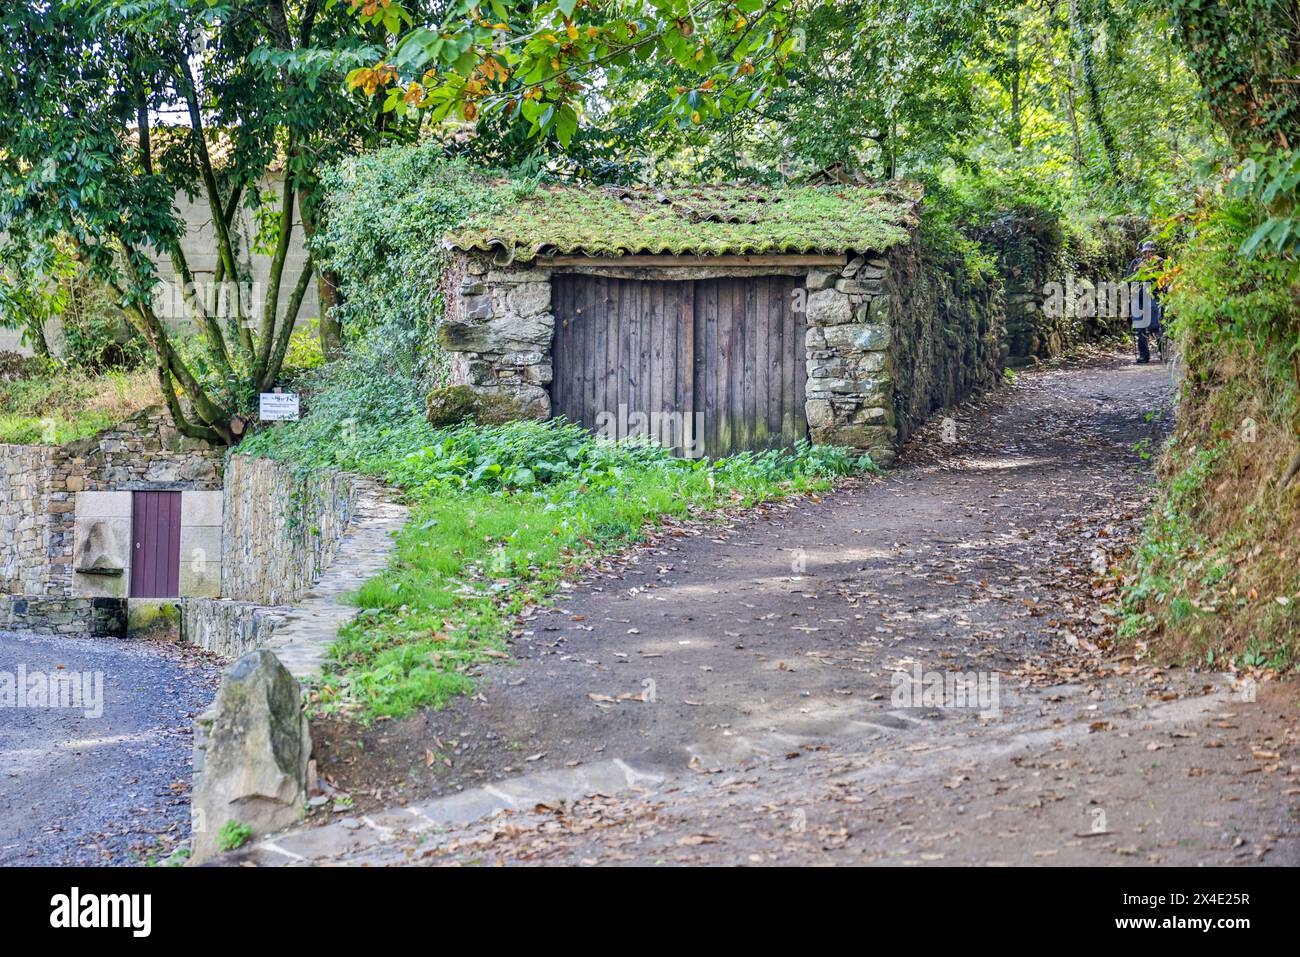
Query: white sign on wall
point(278, 407)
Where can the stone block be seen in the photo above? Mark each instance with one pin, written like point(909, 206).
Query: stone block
point(201, 508)
point(101, 545)
point(819, 414)
point(858, 337)
point(502, 277)
point(827, 307)
point(859, 287)
point(820, 279)
point(100, 586)
point(477, 307)
point(201, 545)
point(200, 579)
point(251, 752)
point(157, 619)
point(530, 298)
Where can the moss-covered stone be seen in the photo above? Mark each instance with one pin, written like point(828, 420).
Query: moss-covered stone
point(158, 619)
point(450, 405)
point(454, 404)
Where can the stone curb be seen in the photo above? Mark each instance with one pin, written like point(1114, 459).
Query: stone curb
point(310, 845)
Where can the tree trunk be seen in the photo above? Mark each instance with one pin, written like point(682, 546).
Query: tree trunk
point(36, 338)
point(327, 286)
point(331, 331)
point(1092, 90)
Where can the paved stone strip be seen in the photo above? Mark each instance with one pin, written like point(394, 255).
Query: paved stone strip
point(312, 625)
point(349, 836)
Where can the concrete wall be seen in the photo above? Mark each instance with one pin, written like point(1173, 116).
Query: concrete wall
point(199, 244)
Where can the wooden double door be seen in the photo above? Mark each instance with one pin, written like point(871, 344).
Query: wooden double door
point(705, 366)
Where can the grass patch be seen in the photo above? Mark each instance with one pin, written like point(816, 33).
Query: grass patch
point(1215, 577)
point(502, 515)
point(58, 408)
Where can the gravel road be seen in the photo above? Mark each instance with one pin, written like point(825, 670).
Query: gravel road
point(107, 782)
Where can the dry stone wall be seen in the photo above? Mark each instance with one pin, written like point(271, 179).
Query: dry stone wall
point(1053, 280)
point(949, 327)
point(39, 486)
point(281, 528)
point(848, 392)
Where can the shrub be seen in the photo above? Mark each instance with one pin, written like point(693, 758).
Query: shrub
point(1216, 575)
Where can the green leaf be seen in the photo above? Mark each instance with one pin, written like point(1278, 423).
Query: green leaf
point(566, 124)
point(1258, 236)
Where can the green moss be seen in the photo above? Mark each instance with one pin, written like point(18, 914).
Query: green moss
point(613, 221)
point(153, 618)
point(452, 405)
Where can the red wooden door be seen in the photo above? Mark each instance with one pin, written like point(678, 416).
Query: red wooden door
point(155, 544)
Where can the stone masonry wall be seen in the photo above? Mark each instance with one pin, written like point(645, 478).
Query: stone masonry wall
point(280, 528)
point(949, 328)
point(849, 389)
point(228, 628)
point(25, 519)
point(101, 617)
point(39, 485)
point(498, 326)
point(1034, 255)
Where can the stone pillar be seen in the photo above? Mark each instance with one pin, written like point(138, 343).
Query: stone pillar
point(850, 389)
point(498, 327)
point(251, 751)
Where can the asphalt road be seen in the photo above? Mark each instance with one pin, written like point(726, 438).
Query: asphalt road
point(107, 782)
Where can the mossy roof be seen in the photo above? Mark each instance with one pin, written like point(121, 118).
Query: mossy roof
point(701, 221)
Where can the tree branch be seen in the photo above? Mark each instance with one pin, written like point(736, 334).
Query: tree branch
point(183, 425)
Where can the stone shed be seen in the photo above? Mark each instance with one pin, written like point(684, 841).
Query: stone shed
point(722, 318)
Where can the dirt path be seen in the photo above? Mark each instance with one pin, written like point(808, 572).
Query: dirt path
point(753, 668)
